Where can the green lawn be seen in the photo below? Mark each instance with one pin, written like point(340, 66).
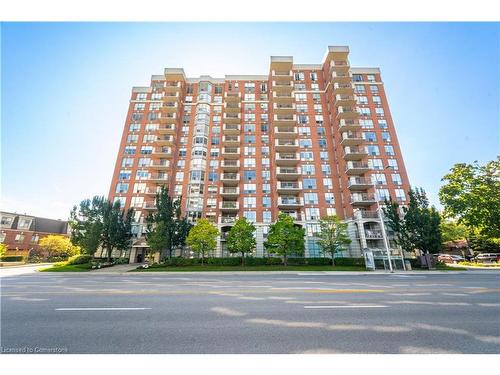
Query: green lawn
point(207, 268)
point(67, 268)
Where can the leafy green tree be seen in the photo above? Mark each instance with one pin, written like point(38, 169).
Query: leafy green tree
point(417, 226)
point(86, 222)
point(471, 194)
point(58, 246)
point(241, 239)
point(116, 227)
point(3, 249)
point(453, 231)
point(173, 229)
point(333, 236)
point(285, 238)
point(202, 238)
point(481, 243)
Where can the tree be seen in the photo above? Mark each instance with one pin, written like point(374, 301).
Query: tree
point(173, 229)
point(116, 227)
point(202, 237)
point(471, 194)
point(416, 226)
point(453, 231)
point(58, 246)
point(285, 238)
point(3, 249)
point(333, 236)
point(241, 239)
point(86, 224)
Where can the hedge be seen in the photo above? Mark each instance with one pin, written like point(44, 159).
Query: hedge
point(80, 259)
point(356, 262)
point(12, 258)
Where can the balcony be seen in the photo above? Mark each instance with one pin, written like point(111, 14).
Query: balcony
point(172, 87)
point(363, 214)
point(165, 140)
point(232, 107)
point(359, 183)
point(343, 88)
point(231, 129)
point(160, 177)
point(340, 66)
point(165, 152)
point(356, 168)
point(148, 191)
point(168, 120)
point(373, 234)
point(283, 97)
point(167, 129)
point(229, 206)
point(232, 118)
point(171, 95)
point(354, 153)
point(345, 100)
point(289, 187)
point(149, 206)
point(169, 107)
point(230, 165)
point(347, 113)
point(287, 159)
point(359, 199)
point(284, 120)
point(284, 108)
point(290, 202)
point(349, 125)
point(160, 164)
point(232, 96)
point(231, 152)
point(283, 86)
point(351, 139)
point(287, 173)
point(230, 179)
point(227, 219)
point(286, 145)
point(341, 77)
point(229, 192)
point(231, 140)
point(285, 132)
point(282, 74)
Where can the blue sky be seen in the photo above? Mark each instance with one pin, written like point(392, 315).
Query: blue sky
point(65, 89)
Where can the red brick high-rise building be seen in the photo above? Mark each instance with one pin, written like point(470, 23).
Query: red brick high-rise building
point(307, 139)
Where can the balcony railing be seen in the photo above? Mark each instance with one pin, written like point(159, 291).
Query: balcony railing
point(362, 199)
point(373, 234)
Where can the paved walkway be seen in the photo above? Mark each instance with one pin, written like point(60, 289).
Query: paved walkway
point(119, 268)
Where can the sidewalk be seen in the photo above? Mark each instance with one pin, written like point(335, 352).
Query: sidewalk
point(119, 268)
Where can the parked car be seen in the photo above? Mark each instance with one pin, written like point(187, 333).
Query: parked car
point(457, 258)
point(487, 258)
point(445, 258)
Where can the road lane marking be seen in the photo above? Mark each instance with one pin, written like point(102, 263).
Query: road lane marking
point(410, 294)
point(344, 307)
point(227, 311)
point(454, 294)
point(101, 308)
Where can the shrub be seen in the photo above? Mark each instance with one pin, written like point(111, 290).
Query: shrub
point(296, 261)
point(180, 262)
point(350, 262)
point(251, 261)
point(57, 259)
point(12, 258)
point(319, 261)
point(80, 259)
point(224, 261)
point(121, 261)
point(271, 261)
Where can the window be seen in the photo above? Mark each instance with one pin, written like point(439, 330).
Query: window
point(386, 137)
point(134, 127)
point(382, 194)
point(318, 108)
point(364, 111)
point(323, 155)
point(374, 89)
point(389, 150)
point(146, 150)
point(212, 176)
point(141, 96)
point(314, 87)
point(266, 216)
point(249, 97)
point(300, 97)
point(299, 87)
point(376, 100)
point(327, 182)
point(249, 128)
point(306, 156)
point(127, 162)
point(314, 76)
point(393, 164)
point(319, 119)
point(379, 179)
point(265, 162)
point(320, 131)
point(379, 112)
point(357, 77)
point(304, 130)
point(310, 198)
point(362, 100)
point(211, 203)
point(375, 164)
point(326, 170)
point(121, 200)
point(137, 202)
point(248, 151)
point(372, 150)
point(329, 198)
point(382, 124)
point(305, 143)
point(179, 176)
point(132, 138)
point(249, 163)
point(34, 238)
point(308, 169)
point(371, 78)
point(251, 216)
point(396, 179)
point(309, 183)
point(266, 188)
point(370, 136)
point(249, 175)
point(142, 175)
point(121, 188)
point(359, 89)
point(312, 213)
point(366, 124)
point(124, 175)
point(400, 194)
point(249, 188)
point(151, 127)
point(301, 108)
point(298, 76)
point(148, 138)
point(266, 202)
point(24, 223)
point(19, 238)
point(322, 143)
point(139, 187)
point(7, 221)
point(249, 138)
point(266, 175)
point(330, 211)
point(250, 202)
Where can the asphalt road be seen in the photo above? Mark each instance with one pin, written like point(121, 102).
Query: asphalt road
point(419, 312)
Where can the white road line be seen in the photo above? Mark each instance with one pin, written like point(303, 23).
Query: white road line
point(344, 307)
point(101, 308)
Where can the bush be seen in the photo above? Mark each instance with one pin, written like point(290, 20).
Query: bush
point(296, 261)
point(80, 259)
point(350, 262)
point(319, 261)
point(274, 261)
point(251, 261)
point(180, 262)
point(121, 260)
point(224, 261)
point(57, 259)
point(12, 258)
